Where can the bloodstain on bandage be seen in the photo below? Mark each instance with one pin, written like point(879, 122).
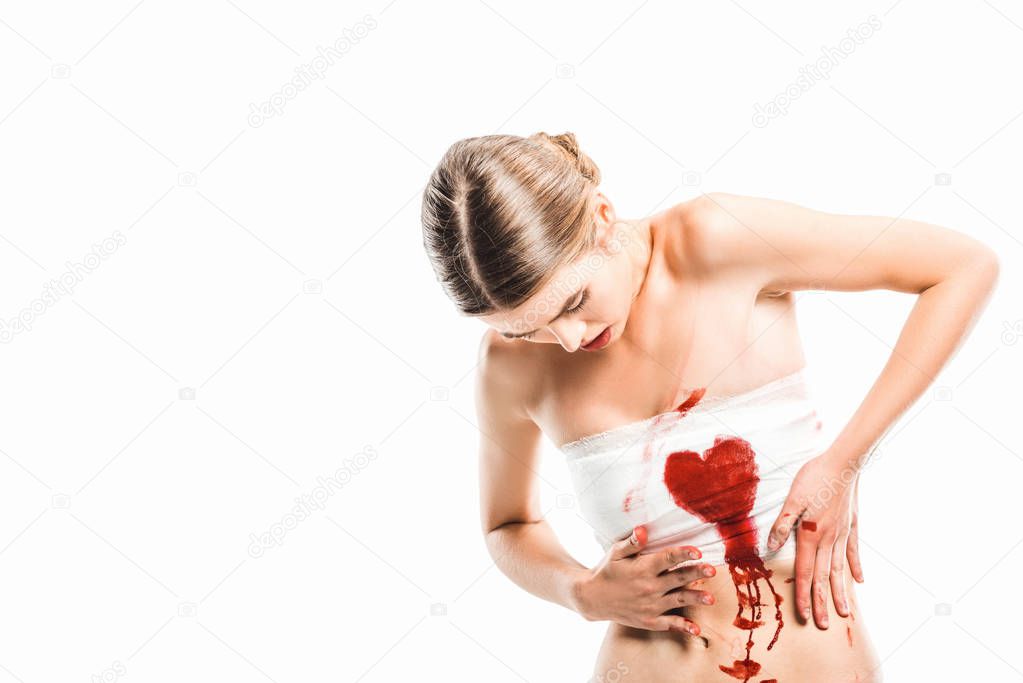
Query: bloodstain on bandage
point(690, 401)
point(678, 413)
point(720, 488)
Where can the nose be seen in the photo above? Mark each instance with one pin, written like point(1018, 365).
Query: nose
point(569, 333)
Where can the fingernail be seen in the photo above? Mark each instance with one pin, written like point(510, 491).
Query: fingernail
point(695, 554)
point(706, 599)
point(694, 629)
point(708, 571)
point(806, 614)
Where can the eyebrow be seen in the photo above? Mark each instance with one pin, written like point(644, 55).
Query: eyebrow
point(564, 308)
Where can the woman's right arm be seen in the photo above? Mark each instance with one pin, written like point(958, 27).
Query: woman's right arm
point(625, 587)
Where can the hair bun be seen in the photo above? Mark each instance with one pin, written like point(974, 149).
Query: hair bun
point(569, 145)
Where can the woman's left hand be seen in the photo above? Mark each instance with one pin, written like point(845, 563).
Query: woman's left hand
point(823, 502)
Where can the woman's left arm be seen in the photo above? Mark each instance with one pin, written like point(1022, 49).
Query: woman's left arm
point(789, 247)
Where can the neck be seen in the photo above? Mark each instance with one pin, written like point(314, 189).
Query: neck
point(639, 248)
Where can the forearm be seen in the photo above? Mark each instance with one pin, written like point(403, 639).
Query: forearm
point(942, 317)
point(530, 554)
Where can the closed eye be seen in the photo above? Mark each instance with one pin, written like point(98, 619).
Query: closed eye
point(578, 306)
point(575, 309)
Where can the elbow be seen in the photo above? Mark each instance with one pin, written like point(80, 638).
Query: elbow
point(980, 265)
point(494, 539)
point(495, 536)
point(992, 263)
point(986, 265)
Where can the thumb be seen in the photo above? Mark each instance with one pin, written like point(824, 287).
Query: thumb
point(630, 545)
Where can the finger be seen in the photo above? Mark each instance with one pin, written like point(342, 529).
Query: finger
point(671, 622)
point(838, 577)
point(685, 576)
point(853, 551)
point(673, 557)
point(628, 547)
point(806, 547)
point(790, 511)
point(821, 582)
point(686, 597)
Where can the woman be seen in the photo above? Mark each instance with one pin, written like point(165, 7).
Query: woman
point(693, 442)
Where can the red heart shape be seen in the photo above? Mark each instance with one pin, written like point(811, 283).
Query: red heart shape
point(720, 488)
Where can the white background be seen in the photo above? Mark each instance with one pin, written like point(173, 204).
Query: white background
point(277, 272)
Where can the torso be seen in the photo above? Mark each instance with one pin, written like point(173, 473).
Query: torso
point(692, 329)
point(688, 329)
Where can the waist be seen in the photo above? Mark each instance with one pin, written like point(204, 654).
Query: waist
point(802, 653)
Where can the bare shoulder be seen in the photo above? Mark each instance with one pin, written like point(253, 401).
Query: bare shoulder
point(505, 376)
point(702, 229)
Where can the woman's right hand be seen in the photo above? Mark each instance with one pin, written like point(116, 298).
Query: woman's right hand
point(637, 590)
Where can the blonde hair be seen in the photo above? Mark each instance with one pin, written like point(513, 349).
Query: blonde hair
point(501, 213)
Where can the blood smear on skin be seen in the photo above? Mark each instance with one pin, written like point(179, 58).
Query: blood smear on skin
point(808, 525)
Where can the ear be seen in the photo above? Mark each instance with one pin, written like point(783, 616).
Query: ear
point(604, 220)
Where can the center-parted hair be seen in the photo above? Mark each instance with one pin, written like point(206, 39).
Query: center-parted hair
point(501, 213)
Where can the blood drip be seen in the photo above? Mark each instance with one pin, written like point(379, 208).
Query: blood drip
point(679, 412)
point(720, 488)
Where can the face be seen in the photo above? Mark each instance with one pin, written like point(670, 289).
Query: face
point(582, 299)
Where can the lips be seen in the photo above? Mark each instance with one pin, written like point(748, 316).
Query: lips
point(598, 342)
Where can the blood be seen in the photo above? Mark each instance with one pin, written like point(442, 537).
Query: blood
point(769, 680)
point(790, 579)
point(690, 401)
point(848, 634)
point(720, 488)
point(808, 525)
point(679, 412)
